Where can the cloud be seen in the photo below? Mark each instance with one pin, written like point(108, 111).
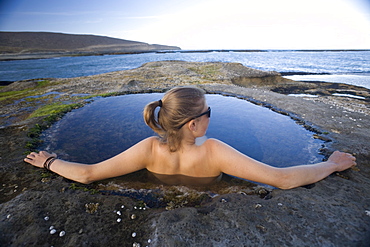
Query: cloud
point(285, 24)
point(202, 24)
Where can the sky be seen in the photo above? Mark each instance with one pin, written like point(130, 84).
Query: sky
point(201, 24)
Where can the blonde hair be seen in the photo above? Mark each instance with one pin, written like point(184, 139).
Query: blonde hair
point(178, 106)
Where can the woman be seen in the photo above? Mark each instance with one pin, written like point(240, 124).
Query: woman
point(175, 157)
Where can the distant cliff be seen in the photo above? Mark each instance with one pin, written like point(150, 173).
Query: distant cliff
point(28, 45)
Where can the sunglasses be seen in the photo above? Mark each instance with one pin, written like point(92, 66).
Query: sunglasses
point(208, 113)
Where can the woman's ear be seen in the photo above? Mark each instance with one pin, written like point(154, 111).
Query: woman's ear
point(192, 125)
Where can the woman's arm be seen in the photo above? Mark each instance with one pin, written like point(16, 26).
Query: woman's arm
point(234, 163)
point(132, 159)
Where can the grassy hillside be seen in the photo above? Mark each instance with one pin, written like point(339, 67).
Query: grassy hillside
point(38, 42)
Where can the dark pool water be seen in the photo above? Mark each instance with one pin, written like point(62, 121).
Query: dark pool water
point(108, 126)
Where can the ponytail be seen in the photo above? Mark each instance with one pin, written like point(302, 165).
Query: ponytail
point(150, 119)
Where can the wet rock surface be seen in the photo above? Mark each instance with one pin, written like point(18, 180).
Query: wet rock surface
point(334, 212)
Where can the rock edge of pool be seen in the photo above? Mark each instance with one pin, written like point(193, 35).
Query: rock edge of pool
point(45, 209)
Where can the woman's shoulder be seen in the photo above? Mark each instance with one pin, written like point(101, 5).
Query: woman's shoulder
point(148, 142)
point(218, 147)
point(214, 145)
point(152, 139)
point(214, 142)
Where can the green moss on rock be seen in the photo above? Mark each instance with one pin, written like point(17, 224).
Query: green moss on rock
point(52, 109)
point(51, 114)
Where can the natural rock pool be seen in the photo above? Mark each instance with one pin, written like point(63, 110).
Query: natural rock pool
point(108, 126)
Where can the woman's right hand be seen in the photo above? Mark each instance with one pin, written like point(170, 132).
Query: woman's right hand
point(342, 160)
point(38, 159)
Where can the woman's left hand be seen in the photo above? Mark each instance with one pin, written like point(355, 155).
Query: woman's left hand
point(38, 159)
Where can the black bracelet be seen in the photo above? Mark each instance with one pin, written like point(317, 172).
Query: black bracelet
point(46, 162)
point(50, 162)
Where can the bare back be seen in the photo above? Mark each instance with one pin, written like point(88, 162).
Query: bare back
point(192, 161)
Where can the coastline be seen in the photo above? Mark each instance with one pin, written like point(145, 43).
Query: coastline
point(34, 56)
point(333, 212)
point(46, 55)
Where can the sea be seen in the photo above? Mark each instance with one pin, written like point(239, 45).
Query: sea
point(347, 66)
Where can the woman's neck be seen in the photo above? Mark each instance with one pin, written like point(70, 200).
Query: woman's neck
point(187, 144)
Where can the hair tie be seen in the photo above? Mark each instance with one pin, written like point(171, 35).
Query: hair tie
point(160, 103)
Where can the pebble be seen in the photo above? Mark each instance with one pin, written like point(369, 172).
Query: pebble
point(62, 233)
point(51, 228)
point(133, 234)
point(119, 220)
point(119, 212)
point(53, 231)
point(8, 216)
point(223, 200)
point(133, 216)
point(46, 218)
point(258, 206)
point(367, 212)
point(91, 207)
point(280, 204)
point(135, 245)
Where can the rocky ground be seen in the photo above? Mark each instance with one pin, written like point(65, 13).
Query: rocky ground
point(35, 203)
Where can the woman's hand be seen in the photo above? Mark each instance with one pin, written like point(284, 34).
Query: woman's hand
point(342, 160)
point(38, 159)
